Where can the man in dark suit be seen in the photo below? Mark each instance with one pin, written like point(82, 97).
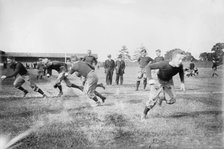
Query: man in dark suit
point(120, 67)
point(109, 66)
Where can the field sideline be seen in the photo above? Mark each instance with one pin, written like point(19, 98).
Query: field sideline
point(72, 121)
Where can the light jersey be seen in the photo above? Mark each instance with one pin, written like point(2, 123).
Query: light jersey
point(40, 66)
point(81, 67)
point(143, 61)
point(19, 69)
point(166, 71)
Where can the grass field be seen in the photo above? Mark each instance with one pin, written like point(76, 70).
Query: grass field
point(72, 121)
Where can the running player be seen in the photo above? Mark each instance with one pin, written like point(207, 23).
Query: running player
point(164, 86)
point(61, 68)
point(22, 76)
point(82, 69)
point(143, 60)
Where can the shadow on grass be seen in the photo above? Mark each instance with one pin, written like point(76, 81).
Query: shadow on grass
point(123, 132)
point(9, 115)
point(190, 114)
point(108, 104)
point(134, 101)
point(28, 113)
point(116, 119)
point(12, 98)
point(209, 100)
point(56, 138)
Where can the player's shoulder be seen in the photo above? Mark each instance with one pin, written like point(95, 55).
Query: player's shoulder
point(181, 66)
point(91, 56)
point(149, 58)
point(19, 64)
point(161, 57)
point(75, 64)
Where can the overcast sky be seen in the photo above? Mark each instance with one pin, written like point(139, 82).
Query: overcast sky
point(106, 25)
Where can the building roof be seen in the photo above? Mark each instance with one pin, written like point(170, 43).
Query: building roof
point(49, 55)
point(2, 52)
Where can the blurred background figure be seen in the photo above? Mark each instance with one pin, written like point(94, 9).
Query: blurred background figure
point(90, 59)
point(143, 61)
point(40, 68)
point(158, 57)
point(21, 76)
point(214, 68)
point(109, 66)
point(120, 67)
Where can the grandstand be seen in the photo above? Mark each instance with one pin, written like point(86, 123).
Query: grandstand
point(33, 57)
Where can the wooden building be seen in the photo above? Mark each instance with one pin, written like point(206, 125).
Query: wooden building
point(33, 57)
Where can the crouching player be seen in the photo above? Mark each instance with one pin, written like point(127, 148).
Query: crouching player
point(82, 69)
point(164, 86)
point(61, 68)
point(22, 76)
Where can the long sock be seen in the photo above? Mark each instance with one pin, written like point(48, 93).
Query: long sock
point(146, 110)
point(137, 85)
point(78, 87)
point(40, 91)
point(22, 89)
point(95, 99)
point(60, 88)
point(145, 83)
point(99, 95)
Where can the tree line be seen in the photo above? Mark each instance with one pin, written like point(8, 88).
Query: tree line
point(216, 54)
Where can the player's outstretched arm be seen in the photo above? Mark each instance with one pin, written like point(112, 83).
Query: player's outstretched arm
point(131, 60)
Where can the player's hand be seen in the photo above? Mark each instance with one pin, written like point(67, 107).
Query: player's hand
point(182, 86)
point(151, 82)
point(3, 77)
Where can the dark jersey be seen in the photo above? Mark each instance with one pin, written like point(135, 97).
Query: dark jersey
point(81, 67)
point(158, 59)
point(191, 66)
point(90, 60)
point(56, 65)
point(166, 71)
point(19, 68)
point(143, 61)
point(214, 64)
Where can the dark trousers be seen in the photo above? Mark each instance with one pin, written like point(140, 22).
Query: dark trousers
point(109, 77)
point(119, 77)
